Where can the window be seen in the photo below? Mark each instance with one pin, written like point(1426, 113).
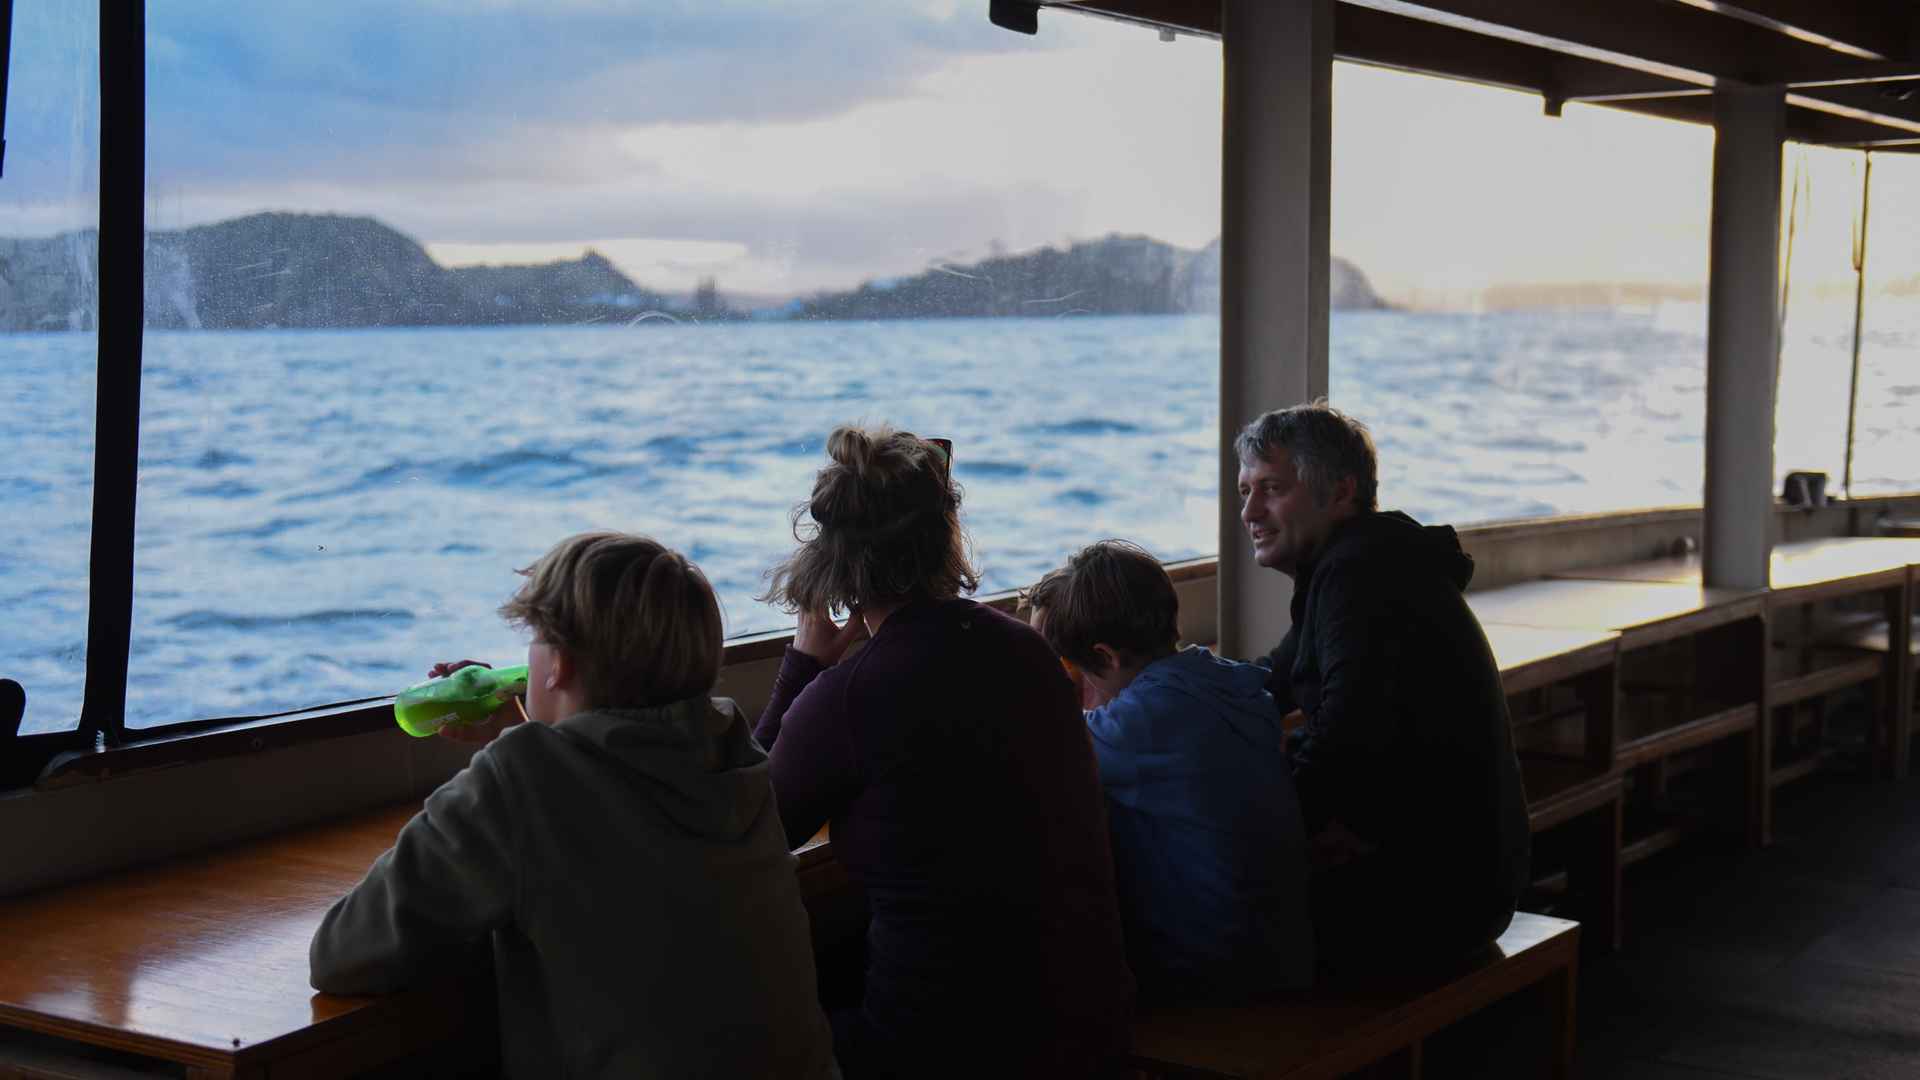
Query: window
point(1824, 214)
point(48, 304)
point(1886, 453)
point(430, 287)
point(1543, 345)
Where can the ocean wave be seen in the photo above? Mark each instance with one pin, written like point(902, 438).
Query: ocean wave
point(1081, 497)
point(1535, 443)
point(225, 489)
point(672, 449)
point(1087, 425)
point(1528, 474)
point(526, 466)
point(997, 469)
point(20, 486)
point(264, 531)
point(215, 458)
point(328, 618)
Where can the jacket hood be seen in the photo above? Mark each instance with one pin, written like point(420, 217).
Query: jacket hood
point(1236, 691)
point(1393, 535)
point(695, 758)
point(1154, 710)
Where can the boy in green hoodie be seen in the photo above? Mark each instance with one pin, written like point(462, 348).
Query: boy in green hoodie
point(622, 851)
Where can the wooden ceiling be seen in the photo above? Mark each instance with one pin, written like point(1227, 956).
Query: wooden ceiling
point(1851, 68)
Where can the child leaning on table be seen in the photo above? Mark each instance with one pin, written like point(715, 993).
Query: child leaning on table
point(1209, 849)
point(623, 851)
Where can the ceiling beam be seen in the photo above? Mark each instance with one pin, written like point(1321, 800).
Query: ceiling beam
point(1835, 101)
point(1855, 74)
point(1907, 120)
point(1186, 16)
point(1656, 37)
point(1864, 29)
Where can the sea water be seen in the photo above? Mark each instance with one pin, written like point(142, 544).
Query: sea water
point(323, 514)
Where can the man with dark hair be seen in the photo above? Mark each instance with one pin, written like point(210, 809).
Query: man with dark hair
point(1209, 855)
point(1404, 761)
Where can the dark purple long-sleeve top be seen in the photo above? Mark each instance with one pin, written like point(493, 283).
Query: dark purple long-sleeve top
point(951, 757)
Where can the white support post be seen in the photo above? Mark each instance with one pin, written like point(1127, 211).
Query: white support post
point(1743, 335)
point(1276, 152)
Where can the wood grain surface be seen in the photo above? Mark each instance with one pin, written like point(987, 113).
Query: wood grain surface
point(202, 960)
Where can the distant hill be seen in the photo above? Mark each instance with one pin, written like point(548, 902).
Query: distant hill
point(327, 270)
point(1113, 275)
point(307, 270)
point(1347, 287)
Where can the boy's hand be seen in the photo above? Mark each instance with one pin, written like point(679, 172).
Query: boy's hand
point(820, 637)
point(485, 731)
point(447, 667)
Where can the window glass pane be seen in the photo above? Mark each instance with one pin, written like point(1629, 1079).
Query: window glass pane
point(1544, 351)
point(434, 285)
point(1821, 214)
point(1886, 455)
point(49, 214)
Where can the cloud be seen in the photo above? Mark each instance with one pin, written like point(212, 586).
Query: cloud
point(824, 141)
point(323, 88)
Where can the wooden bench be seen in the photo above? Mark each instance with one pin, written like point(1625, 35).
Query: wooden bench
point(1323, 1033)
point(201, 962)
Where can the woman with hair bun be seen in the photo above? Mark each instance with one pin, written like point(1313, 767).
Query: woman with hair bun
point(951, 759)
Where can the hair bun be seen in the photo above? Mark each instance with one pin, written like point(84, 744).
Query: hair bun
point(853, 448)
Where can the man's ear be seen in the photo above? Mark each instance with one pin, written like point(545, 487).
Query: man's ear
point(1109, 658)
point(1346, 491)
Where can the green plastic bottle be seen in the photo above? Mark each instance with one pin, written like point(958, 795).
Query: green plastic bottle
point(465, 697)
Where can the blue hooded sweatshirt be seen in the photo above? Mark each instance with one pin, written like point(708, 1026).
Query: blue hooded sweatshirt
point(1209, 850)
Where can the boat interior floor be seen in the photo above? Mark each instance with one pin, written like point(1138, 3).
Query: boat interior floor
point(1799, 960)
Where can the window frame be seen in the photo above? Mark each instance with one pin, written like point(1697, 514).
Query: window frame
point(119, 332)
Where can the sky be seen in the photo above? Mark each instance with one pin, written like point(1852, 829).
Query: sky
point(789, 146)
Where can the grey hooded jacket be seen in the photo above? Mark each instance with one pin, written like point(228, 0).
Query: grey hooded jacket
point(632, 872)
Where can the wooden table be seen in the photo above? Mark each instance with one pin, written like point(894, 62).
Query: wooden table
point(1811, 571)
point(1532, 656)
point(202, 961)
point(1800, 572)
point(1643, 612)
point(1647, 612)
point(1585, 794)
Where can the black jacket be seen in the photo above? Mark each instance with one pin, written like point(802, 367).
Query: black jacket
point(1407, 742)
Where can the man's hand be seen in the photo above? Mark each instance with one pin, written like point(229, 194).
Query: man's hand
point(1335, 845)
point(818, 636)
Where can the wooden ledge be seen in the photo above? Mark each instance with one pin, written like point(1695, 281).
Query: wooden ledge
point(1667, 741)
point(1825, 680)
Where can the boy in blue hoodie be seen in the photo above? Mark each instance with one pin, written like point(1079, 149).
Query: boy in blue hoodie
point(1209, 851)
